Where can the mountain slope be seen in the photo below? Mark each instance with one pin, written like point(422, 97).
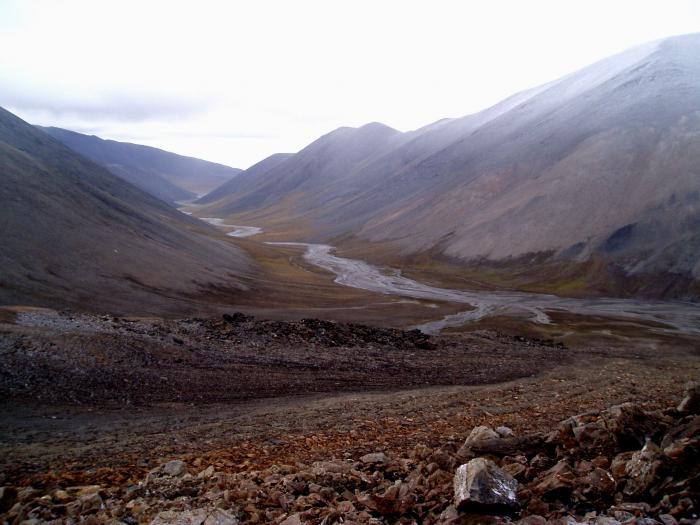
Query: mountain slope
point(73, 234)
point(246, 178)
point(326, 165)
point(166, 175)
point(602, 164)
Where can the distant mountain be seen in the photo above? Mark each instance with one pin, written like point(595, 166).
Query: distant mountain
point(74, 235)
point(166, 175)
point(599, 169)
point(316, 175)
point(252, 175)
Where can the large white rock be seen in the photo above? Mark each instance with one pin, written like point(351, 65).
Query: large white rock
point(480, 486)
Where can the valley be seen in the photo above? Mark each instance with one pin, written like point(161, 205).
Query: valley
point(665, 317)
point(491, 319)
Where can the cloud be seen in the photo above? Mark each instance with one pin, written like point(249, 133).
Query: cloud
point(115, 107)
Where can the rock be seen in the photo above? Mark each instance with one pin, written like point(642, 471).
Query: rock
point(515, 470)
point(479, 434)
point(624, 517)
point(91, 502)
point(643, 470)
point(449, 515)
point(27, 494)
point(420, 452)
point(174, 468)
point(442, 459)
point(73, 509)
point(667, 519)
point(504, 431)
point(691, 401)
point(556, 482)
point(206, 473)
point(593, 436)
point(631, 426)
point(606, 520)
point(294, 519)
point(83, 490)
point(541, 462)
point(480, 486)
point(637, 509)
point(321, 468)
point(195, 517)
point(682, 442)
point(619, 464)
point(596, 485)
point(61, 496)
point(501, 446)
point(376, 458)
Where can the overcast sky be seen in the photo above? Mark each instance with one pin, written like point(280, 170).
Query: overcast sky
point(234, 82)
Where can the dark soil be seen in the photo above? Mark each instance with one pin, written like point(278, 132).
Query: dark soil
point(64, 358)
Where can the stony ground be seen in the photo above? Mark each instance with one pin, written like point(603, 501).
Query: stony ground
point(85, 359)
point(257, 443)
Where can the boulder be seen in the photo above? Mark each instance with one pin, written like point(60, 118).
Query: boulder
point(91, 502)
point(174, 468)
point(516, 470)
point(556, 482)
point(482, 445)
point(593, 436)
point(206, 473)
point(598, 484)
point(643, 470)
point(631, 426)
point(479, 434)
point(376, 458)
point(480, 486)
point(683, 440)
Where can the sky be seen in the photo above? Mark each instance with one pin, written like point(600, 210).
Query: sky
point(234, 81)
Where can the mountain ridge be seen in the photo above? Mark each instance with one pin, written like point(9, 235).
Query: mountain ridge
point(167, 175)
point(560, 169)
point(75, 235)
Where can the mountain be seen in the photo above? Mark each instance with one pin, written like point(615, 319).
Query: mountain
point(168, 176)
point(252, 175)
point(601, 166)
point(74, 235)
point(327, 163)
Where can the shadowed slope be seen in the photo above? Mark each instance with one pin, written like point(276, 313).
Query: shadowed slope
point(166, 175)
point(73, 234)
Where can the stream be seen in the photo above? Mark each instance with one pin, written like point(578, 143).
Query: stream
point(673, 316)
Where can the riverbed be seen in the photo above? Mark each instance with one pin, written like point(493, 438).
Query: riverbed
point(664, 316)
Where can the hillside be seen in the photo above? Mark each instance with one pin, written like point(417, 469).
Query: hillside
point(599, 167)
point(245, 179)
point(73, 234)
point(168, 176)
point(318, 173)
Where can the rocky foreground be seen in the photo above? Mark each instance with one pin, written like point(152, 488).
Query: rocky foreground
point(622, 465)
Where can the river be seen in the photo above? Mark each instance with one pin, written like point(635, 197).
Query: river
point(673, 316)
point(239, 231)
